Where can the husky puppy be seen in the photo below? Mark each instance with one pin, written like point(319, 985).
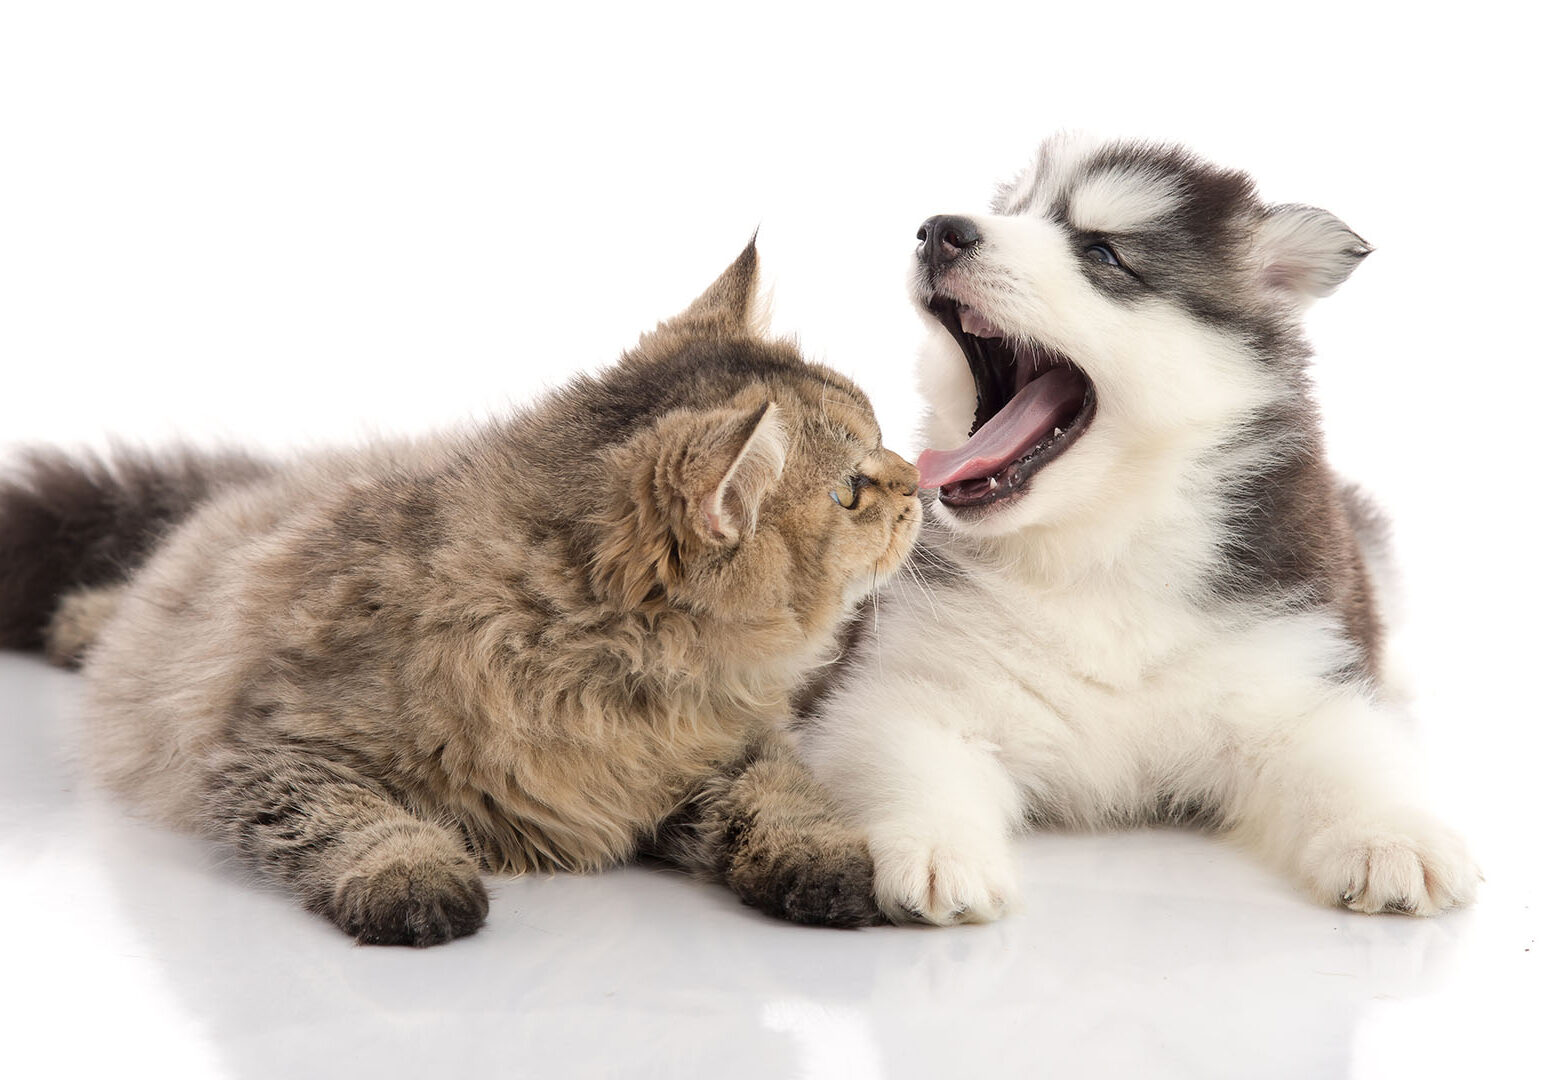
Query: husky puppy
point(1142, 595)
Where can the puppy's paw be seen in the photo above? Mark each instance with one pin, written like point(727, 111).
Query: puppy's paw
point(943, 881)
point(1406, 863)
point(418, 902)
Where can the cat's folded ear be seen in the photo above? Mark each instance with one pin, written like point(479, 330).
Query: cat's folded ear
point(728, 469)
point(693, 483)
point(731, 305)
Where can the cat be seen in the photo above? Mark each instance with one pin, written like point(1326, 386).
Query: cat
point(554, 643)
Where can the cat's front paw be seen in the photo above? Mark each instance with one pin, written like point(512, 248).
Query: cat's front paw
point(814, 884)
point(1409, 864)
point(411, 902)
point(942, 882)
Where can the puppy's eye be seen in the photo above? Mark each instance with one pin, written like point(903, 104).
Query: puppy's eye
point(846, 496)
point(1102, 253)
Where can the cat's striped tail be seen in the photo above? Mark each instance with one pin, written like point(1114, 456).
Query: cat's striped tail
point(70, 523)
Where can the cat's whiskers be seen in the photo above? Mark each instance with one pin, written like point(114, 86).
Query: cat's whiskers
point(922, 553)
point(879, 660)
point(922, 586)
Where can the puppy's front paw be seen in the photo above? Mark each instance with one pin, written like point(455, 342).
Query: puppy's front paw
point(1409, 864)
point(942, 881)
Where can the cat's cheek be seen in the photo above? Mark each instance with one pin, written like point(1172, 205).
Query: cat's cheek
point(902, 540)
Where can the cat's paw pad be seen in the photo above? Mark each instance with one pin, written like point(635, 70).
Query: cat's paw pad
point(417, 903)
point(943, 883)
point(1413, 866)
point(815, 885)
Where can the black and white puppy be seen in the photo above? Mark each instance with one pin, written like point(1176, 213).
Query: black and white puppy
point(1142, 594)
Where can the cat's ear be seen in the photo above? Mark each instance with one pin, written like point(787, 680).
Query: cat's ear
point(1304, 253)
point(755, 448)
point(695, 482)
point(717, 467)
point(730, 305)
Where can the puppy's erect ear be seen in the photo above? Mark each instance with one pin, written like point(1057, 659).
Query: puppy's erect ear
point(695, 482)
point(729, 305)
point(1305, 252)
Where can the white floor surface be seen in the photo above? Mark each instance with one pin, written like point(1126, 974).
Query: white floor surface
point(1153, 954)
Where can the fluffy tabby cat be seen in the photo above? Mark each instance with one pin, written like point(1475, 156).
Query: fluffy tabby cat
point(549, 644)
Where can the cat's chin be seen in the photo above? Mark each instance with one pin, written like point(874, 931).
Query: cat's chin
point(894, 557)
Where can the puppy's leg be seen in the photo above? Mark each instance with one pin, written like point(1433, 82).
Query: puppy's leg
point(769, 832)
point(938, 807)
point(1329, 801)
point(342, 845)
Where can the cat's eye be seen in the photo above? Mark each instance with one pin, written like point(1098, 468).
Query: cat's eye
point(846, 496)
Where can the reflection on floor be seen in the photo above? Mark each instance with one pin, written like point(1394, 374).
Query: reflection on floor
point(1153, 954)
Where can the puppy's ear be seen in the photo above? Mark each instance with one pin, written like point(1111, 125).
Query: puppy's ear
point(1305, 253)
point(693, 483)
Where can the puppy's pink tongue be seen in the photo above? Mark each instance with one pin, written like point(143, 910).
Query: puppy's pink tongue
point(1035, 411)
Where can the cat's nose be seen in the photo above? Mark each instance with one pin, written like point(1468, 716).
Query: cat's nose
point(945, 237)
point(902, 476)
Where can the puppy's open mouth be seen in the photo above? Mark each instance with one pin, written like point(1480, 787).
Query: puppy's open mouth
point(1032, 403)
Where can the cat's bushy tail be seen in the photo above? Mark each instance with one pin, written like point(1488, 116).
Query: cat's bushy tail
point(84, 521)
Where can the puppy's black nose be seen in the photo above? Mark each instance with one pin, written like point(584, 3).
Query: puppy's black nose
point(945, 238)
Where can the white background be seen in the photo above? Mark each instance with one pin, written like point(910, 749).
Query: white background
point(281, 224)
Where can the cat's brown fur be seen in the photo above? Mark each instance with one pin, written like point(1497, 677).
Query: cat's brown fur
point(539, 646)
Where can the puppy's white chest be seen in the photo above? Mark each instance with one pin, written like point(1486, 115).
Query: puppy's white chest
point(1082, 699)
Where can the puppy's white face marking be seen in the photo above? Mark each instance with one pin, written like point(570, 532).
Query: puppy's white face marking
point(1054, 171)
point(1121, 201)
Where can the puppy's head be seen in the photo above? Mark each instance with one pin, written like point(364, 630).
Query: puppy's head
point(1122, 309)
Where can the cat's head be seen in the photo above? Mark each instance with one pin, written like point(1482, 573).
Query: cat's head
point(755, 486)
